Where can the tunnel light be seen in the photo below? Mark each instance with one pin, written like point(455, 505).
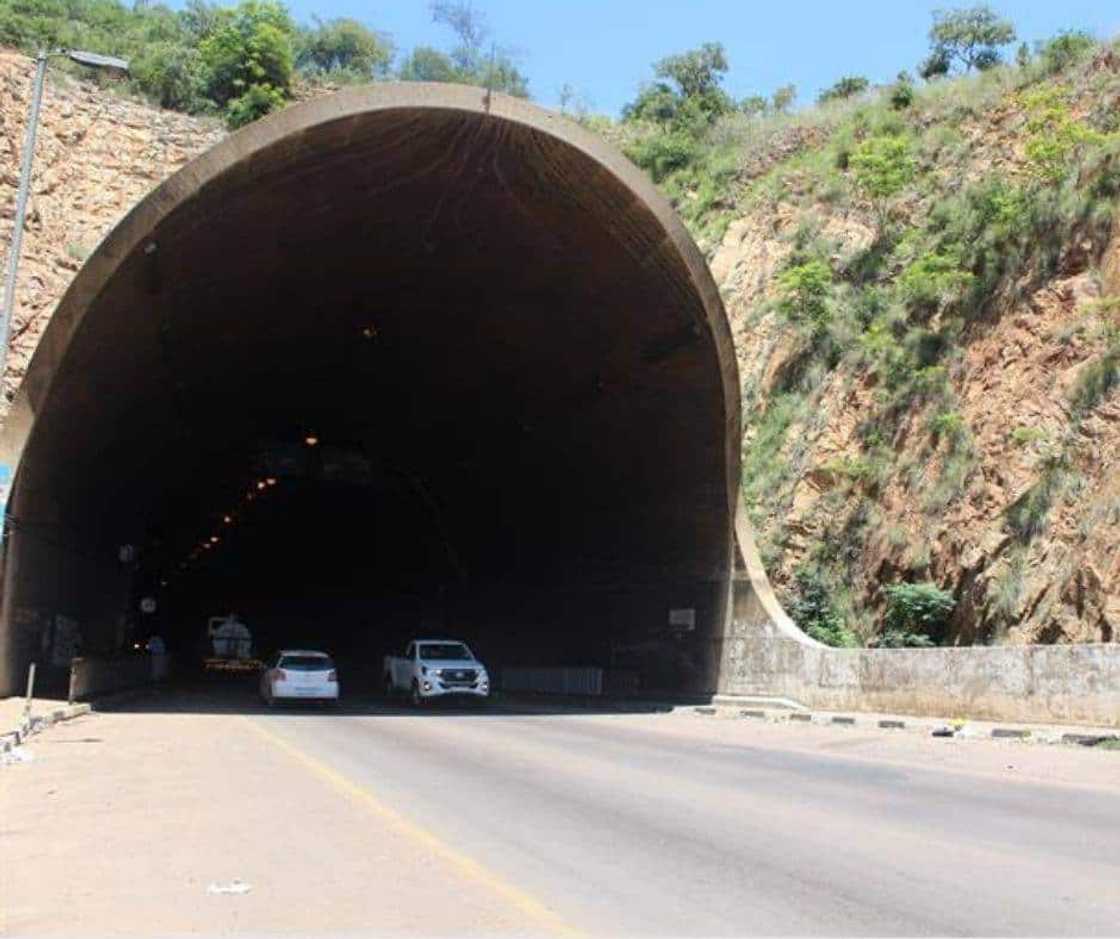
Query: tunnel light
point(228, 519)
point(311, 440)
point(260, 484)
point(271, 480)
point(214, 539)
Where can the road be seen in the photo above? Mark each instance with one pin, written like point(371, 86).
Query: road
point(378, 821)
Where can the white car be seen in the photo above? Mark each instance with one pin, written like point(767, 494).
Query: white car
point(300, 675)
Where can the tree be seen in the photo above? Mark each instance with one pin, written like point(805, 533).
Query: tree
point(467, 62)
point(343, 45)
point(754, 105)
point(689, 96)
point(783, 98)
point(970, 37)
point(883, 167)
point(171, 74)
point(247, 59)
point(469, 26)
point(846, 87)
point(426, 64)
point(697, 72)
point(917, 615)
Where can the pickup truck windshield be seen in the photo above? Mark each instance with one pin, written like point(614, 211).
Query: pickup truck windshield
point(444, 650)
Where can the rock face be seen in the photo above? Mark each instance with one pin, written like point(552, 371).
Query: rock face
point(1012, 376)
point(97, 154)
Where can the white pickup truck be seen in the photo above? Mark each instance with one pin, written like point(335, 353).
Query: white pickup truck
point(436, 668)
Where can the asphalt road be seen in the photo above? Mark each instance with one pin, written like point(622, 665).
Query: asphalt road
point(375, 820)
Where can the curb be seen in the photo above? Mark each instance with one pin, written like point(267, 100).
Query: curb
point(935, 728)
point(15, 738)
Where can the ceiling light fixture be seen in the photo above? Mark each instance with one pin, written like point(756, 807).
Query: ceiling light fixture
point(311, 440)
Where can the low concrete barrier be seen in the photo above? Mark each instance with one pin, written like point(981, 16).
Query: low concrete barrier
point(94, 675)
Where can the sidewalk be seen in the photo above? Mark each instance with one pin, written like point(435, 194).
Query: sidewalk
point(14, 729)
point(727, 707)
point(782, 711)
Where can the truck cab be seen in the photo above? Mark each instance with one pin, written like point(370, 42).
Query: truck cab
point(436, 668)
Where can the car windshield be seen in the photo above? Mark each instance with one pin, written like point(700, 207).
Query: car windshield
point(306, 663)
point(444, 650)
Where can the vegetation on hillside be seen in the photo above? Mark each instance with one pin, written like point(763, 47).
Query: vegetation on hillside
point(953, 238)
point(241, 61)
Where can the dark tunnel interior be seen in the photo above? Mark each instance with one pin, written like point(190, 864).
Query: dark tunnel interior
point(409, 371)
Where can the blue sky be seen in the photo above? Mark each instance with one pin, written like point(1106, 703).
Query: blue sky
point(605, 49)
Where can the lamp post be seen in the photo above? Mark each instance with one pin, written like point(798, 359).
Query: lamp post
point(91, 60)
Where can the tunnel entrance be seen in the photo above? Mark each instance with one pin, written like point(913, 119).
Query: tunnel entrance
point(403, 360)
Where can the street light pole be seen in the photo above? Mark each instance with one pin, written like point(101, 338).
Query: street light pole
point(7, 311)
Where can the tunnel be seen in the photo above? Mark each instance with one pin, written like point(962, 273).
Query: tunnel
point(406, 360)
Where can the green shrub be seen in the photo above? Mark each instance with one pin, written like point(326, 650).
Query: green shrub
point(932, 281)
point(1025, 436)
point(902, 92)
point(1067, 48)
point(1006, 590)
point(846, 87)
point(803, 291)
point(1054, 136)
point(1026, 516)
point(664, 153)
point(916, 614)
point(1096, 381)
point(882, 168)
point(171, 75)
point(951, 481)
point(948, 425)
point(815, 612)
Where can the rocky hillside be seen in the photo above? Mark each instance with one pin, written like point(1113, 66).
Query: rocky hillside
point(924, 288)
point(925, 297)
point(97, 154)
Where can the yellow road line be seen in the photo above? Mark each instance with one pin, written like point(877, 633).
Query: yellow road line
point(465, 865)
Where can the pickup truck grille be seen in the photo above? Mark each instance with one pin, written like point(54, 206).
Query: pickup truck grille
point(466, 676)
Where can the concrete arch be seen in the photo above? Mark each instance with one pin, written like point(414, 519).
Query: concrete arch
point(414, 271)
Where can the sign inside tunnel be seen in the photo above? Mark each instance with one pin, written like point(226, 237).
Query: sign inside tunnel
point(683, 618)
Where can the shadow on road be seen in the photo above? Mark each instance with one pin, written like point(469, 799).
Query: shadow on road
point(238, 695)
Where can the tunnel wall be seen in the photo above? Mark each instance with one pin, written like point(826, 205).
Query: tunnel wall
point(84, 360)
point(766, 654)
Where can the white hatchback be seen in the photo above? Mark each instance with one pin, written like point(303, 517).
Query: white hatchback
point(300, 675)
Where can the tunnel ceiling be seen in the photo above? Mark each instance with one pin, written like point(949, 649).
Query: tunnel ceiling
point(494, 310)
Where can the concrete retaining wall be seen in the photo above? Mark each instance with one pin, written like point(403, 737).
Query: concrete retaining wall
point(766, 654)
point(92, 676)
